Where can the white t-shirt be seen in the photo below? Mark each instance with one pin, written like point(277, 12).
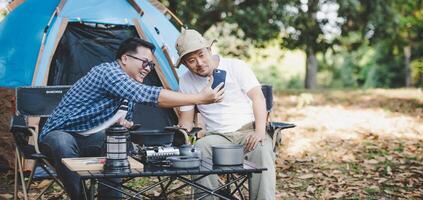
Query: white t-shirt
point(236, 108)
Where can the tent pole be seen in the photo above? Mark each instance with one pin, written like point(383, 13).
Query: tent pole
point(166, 10)
point(159, 71)
point(13, 5)
point(60, 6)
point(41, 50)
point(159, 67)
point(136, 7)
point(62, 29)
point(169, 60)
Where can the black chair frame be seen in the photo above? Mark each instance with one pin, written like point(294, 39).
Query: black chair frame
point(36, 101)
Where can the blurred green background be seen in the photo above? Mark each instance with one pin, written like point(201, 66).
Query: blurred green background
point(295, 44)
point(316, 43)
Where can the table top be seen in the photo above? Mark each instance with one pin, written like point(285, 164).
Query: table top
point(206, 167)
point(94, 163)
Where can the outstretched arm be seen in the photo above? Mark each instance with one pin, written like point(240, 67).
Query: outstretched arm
point(168, 98)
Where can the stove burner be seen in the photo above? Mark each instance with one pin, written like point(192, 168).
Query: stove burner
point(156, 154)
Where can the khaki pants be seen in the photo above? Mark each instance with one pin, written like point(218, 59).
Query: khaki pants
point(263, 184)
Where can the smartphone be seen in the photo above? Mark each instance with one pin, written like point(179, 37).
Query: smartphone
point(219, 76)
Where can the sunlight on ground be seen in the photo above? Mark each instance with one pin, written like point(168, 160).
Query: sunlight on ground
point(345, 123)
point(348, 118)
point(359, 144)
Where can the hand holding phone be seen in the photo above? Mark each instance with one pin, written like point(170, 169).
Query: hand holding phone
point(219, 76)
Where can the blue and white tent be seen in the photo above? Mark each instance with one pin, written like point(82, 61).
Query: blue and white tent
point(55, 42)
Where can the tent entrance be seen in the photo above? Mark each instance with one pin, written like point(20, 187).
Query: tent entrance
point(85, 45)
point(82, 46)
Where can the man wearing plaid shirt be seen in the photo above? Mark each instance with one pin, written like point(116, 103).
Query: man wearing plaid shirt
point(96, 97)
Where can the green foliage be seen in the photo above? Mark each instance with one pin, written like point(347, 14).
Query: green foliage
point(259, 20)
point(358, 43)
point(417, 72)
point(302, 28)
point(228, 40)
point(366, 67)
point(387, 27)
point(273, 77)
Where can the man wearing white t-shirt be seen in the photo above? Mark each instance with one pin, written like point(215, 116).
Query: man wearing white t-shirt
point(233, 119)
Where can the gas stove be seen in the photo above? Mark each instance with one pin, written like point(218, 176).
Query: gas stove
point(155, 154)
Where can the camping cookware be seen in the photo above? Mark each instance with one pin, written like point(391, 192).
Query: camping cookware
point(184, 162)
point(189, 150)
point(228, 154)
point(152, 137)
point(182, 135)
point(155, 154)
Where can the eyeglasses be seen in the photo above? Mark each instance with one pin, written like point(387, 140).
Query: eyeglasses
point(145, 62)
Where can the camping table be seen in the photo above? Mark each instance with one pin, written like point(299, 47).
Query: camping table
point(235, 175)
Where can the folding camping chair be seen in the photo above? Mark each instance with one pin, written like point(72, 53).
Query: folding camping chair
point(33, 102)
point(273, 128)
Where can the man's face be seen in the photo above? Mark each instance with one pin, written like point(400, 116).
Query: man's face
point(136, 65)
point(199, 62)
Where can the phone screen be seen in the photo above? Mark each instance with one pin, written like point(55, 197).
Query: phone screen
point(219, 76)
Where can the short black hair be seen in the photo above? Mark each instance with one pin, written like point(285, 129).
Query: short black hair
point(130, 45)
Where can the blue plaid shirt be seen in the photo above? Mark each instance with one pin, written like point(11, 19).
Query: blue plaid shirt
point(96, 97)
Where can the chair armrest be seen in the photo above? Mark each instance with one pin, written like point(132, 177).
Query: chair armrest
point(18, 124)
point(274, 129)
point(39, 156)
point(18, 127)
point(272, 126)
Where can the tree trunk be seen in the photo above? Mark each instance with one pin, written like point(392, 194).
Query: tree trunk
point(311, 70)
point(407, 59)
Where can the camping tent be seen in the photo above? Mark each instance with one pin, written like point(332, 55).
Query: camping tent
point(56, 42)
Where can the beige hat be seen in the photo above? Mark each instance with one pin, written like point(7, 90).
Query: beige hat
point(189, 41)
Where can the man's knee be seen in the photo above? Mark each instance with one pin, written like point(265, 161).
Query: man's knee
point(202, 143)
point(263, 150)
point(205, 144)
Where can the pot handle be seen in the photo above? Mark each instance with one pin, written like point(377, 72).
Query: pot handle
point(135, 127)
point(193, 131)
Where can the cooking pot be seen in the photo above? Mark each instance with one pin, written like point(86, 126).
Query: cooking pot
point(228, 154)
point(184, 162)
point(189, 150)
point(152, 137)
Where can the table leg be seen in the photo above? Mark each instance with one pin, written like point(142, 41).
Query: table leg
point(163, 193)
point(84, 189)
point(238, 187)
point(92, 188)
point(112, 187)
point(250, 190)
point(228, 187)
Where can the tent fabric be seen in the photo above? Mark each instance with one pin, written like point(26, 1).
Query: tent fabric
point(30, 19)
point(20, 37)
point(82, 47)
point(94, 29)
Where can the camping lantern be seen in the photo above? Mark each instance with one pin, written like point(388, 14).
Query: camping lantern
point(116, 152)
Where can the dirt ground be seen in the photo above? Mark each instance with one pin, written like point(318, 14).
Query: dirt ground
point(358, 144)
point(6, 140)
point(351, 145)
